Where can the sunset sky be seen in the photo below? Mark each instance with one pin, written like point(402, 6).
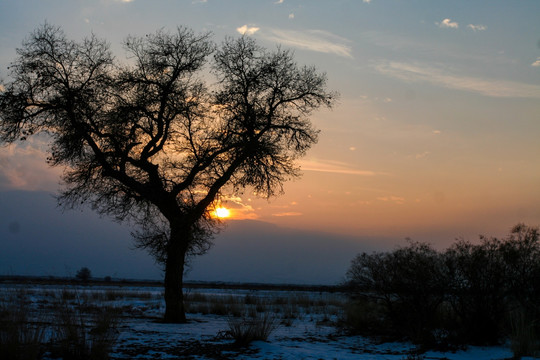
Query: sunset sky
point(436, 132)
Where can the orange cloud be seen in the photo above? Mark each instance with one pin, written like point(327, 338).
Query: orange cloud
point(291, 213)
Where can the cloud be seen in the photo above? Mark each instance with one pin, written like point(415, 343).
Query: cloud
point(433, 49)
point(367, 1)
point(23, 166)
point(437, 132)
point(335, 167)
point(416, 72)
point(422, 155)
point(279, 2)
point(395, 199)
point(477, 27)
point(447, 23)
point(314, 40)
point(537, 62)
point(239, 210)
point(247, 30)
point(124, 1)
point(291, 213)
point(291, 16)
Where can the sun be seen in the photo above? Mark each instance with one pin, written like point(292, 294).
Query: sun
point(222, 212)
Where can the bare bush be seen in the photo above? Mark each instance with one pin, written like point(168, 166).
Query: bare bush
point(464, 295)
point(248, 329)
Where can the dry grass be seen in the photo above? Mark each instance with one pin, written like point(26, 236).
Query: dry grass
point(84, 330)
point(248, 329)
point(22, 332)
point(64, 324)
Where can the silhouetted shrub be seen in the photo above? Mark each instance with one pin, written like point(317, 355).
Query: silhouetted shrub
point(409, 283)
point(524, 340)
point(84, 274)
point(478, 289)
point(468, 294)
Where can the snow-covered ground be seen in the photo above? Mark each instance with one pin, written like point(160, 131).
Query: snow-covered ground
point(305, 326)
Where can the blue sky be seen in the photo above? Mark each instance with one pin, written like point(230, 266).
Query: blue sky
point(435, 135)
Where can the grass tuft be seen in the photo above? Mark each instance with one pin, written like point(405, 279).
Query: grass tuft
point(253, 328)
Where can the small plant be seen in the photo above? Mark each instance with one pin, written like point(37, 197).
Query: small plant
point(22, 333)
point(245, 330)
point(84, 331)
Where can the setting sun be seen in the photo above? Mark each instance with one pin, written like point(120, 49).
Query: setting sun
point(222, 212)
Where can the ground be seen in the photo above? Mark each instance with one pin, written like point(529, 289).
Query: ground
point(300, 324)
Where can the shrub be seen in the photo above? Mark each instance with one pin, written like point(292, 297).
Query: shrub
point(84, 275)
point(478, 289)
point(22, 334)
point(464, 295)
point(366, 317)
point(84, 332)
point(408, 284)
point(524, 340)
point(245, 330)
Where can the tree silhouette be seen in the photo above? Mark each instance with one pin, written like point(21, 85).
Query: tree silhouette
point(83, 274)
point(149, 142)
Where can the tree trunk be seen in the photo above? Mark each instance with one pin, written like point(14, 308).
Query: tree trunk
point(174, 279)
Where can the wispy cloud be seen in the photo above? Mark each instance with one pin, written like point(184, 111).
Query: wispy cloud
point(442, 77)
point(279, 2)
point(290, 213)
point(247, 30)
point(334, 167)
point(366, 1)
point(239, 208)
point(395, 199)
point(477, 27)
point(24, 167)
point(447, 23)
point(314, 40)
point(430, 48)
point(422, 155)
point(537, 62)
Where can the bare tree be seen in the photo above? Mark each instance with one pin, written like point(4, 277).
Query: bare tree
point(148, 141)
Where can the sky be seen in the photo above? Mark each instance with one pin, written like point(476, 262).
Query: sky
point(434, 136)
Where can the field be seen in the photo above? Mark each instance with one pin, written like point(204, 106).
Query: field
point(231, 323)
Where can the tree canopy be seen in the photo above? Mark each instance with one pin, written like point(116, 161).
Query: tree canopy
point(152, 140)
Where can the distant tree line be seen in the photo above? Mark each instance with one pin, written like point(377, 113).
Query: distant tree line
point(478, 294)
